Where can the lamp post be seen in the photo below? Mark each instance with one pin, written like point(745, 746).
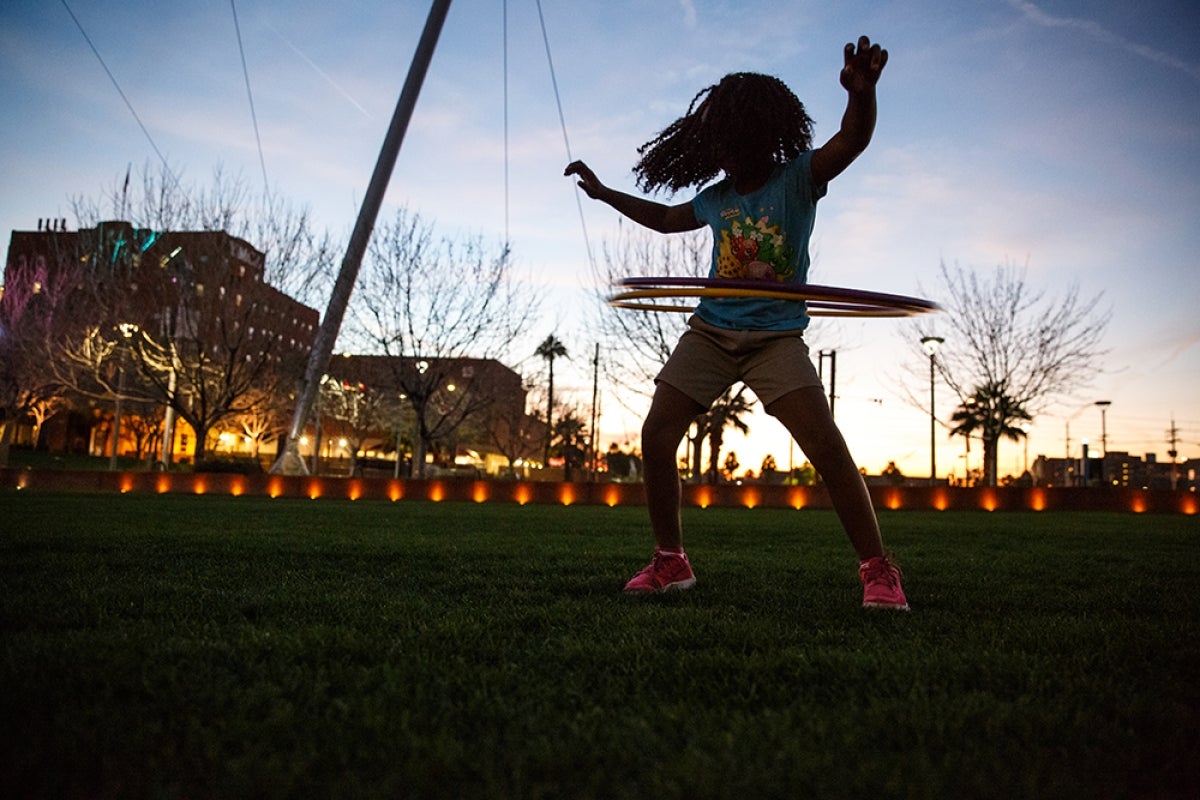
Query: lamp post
point(1104, 404)
point(931, 344)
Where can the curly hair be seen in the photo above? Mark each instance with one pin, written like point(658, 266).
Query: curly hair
point(745, 116)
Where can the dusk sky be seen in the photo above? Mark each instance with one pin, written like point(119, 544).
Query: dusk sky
point(1059, 136)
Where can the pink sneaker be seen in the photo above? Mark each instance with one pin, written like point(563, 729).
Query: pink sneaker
point(881, 584)
point(666, 572)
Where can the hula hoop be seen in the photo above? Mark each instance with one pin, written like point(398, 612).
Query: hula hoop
point(823, 301)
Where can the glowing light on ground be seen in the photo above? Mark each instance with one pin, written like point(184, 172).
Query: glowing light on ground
point(437, 491)
point(797, 498)
point(522, 494)
point(479, 492)
point(612, 495)
point(566, 494)
point(1037, 500)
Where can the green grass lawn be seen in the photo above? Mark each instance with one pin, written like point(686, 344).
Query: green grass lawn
point(180, 646)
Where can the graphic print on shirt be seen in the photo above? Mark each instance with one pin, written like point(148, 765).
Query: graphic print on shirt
point(758, 251)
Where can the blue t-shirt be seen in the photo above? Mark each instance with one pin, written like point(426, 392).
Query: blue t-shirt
point(761, 236)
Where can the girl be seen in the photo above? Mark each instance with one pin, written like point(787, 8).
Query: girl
point(753, 129)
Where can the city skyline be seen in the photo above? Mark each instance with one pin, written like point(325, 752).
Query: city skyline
point(1058, 137)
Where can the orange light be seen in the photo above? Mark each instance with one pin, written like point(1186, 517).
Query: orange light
point(354, 489)
point(275, 487)
point(479, 492)
point(237, 486)
point(987, 500)
point(199, 486)
point(1188, 504)
point(522, 494)
point(1037, 500)
point(941, 500)
point(314, 489)
point(437, 491)
point(893, 500)
point(1138, 504)
point(126, 483)
point(162, 484)
point(797, 497)
point(750, 497)
point(612, 495)
point(395, 490)
point(704, 497)
point(566, 494)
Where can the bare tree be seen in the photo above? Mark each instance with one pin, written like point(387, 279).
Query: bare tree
point(644, 339)
point(427, 304)
point(209, 338)
point(1002, 334)
point(32, 311)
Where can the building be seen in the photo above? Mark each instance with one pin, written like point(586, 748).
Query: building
point(1117, 468)
point(190, 315)
point(160, 314)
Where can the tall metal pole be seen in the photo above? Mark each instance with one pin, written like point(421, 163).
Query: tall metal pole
point(1104, 404)
point(289, 461)
point(595, 413)
point(931, 345)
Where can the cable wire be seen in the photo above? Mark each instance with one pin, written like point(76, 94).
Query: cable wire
point(505, 27)
point(563, 123)
point(250, 95)
point(121, 92)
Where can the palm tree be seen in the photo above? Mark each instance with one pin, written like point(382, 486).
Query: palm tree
point(726, 412)
point(992, 413)
point(550, 349)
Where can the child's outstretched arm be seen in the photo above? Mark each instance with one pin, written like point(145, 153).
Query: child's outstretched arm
point(859, 76)
point(656, 216)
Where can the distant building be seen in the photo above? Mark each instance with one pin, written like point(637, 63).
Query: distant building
point(200, 291)
point(1116, 468)
point(206, 291)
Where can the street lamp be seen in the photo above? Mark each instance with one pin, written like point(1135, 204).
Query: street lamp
point(1104, 404)
point(931, 344)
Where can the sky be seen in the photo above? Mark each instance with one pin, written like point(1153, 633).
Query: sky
point(1058, 136)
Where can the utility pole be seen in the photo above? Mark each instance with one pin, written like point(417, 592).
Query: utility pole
point(1173, 438)
point(595, 413)
point(832, 356)
point(1103, 405)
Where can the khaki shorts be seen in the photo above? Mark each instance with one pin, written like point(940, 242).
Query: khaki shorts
point(708, 360)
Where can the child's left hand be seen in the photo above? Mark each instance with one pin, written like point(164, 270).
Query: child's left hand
point(863, 65)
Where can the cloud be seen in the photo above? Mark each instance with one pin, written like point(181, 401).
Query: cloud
point(1101, 34)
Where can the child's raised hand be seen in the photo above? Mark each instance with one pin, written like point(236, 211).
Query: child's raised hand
point(587, 179)
point(863, 65)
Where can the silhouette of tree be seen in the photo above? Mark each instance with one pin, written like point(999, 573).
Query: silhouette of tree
point(1010, 340)
point(993, 415)
point(550, 349)
point(428, 304)
point(726, 412)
